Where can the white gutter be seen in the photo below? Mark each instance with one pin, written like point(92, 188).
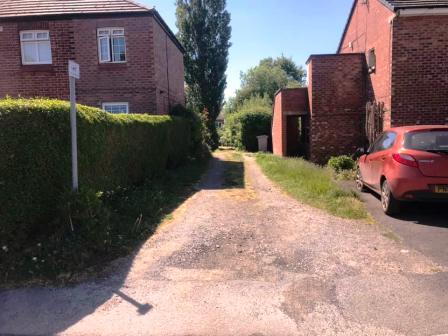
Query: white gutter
point(422, 11)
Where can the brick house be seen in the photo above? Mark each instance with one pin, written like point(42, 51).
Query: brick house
point(131, 62)
point(392, 54)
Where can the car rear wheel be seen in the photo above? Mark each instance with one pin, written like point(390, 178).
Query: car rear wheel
point(390, 205)
point(359, 182)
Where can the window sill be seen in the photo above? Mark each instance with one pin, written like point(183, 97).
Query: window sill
point(37, 67)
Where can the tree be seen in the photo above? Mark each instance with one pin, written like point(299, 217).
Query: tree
point(204, 31)
point(268, 77)
point(293, 71)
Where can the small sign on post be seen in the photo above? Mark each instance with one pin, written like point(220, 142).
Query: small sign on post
point(73, 69)
point(73, 75)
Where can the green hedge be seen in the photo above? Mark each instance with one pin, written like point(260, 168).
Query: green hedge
point(241, 129)
point(114, 151)
point(341, 163)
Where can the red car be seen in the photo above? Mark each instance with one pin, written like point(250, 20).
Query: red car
point(406, 164)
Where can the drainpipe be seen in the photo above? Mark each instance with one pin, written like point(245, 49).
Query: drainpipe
point(167, 71)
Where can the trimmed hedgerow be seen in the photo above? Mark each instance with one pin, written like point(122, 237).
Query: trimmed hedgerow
point(241, 129)
point(113, 150)
point(199, 130)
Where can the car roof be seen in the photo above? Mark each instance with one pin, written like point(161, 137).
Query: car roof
point(404, 129)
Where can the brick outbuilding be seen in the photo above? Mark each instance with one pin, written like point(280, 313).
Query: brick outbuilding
point(393, 55)
point(130, 60)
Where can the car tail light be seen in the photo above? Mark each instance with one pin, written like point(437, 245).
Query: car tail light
point(406, 159)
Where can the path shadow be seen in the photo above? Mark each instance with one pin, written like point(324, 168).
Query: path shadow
point(422, 213)
point(142, 309)
point(224, 175)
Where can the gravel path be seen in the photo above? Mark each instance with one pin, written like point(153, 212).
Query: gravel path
point(247, 261)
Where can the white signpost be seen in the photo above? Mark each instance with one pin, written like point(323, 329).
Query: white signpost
point(73, 74)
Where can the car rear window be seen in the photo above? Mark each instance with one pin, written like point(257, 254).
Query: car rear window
point(436, 140)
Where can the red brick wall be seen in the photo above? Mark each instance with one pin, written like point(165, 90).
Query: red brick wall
point(169, 71)
point(295, 100)
point(337, 99)
point(287, 102)
point(369, 28)
point(278, 128)
point(134, 81)
point(32, 80)
point(420, 70)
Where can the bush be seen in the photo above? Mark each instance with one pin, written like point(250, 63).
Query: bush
point(341, 163)
point(113, 151)
point(199, 130)
point(241, 128)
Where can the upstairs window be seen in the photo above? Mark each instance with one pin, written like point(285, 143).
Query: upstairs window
point(116, 108)
point(111, 45)
point(36, 47)
point(371, 60)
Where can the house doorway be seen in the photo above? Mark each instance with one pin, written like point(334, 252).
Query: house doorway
point(297, 131)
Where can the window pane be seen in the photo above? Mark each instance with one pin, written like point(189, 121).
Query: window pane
point(118, 49)
point(116, 108)
point(104, 49)
point(388, 141)
point(27, 36)
point(103, 32)
point(118, 32)
point(42, 36)
point(44, 51)
point(432, 140)
point(30, 52)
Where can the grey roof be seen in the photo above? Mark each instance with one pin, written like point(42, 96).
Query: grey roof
point(407, 4)
point(26, 8)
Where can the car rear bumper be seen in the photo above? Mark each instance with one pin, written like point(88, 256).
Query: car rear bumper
point(419, 189)
point(424, 196)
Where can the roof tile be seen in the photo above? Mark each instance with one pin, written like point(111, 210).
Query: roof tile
point(22, 8)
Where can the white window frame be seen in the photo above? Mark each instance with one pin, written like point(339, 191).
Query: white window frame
point(116, 104)
point(34, 40)
point(108, 33)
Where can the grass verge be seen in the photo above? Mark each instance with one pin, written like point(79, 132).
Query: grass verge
point(312, 185)
point(95, 228)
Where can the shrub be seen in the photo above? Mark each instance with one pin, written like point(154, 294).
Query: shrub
point(253, 118)
point(341, 163)
point(113, 151)
point(199, 130)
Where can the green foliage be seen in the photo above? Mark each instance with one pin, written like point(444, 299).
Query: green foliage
point(313, 185)
point(269, 76)
point(35, 169)
point(204, 31)
point(341, 163)
point(199, 131)
point(92, 228)
point(252, 119)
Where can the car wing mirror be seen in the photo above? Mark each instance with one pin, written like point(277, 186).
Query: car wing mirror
point(359, 152)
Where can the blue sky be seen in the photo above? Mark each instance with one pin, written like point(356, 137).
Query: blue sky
point(263, 28)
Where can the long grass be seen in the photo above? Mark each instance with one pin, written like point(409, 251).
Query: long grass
point(313, 185)
point(107, 226)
